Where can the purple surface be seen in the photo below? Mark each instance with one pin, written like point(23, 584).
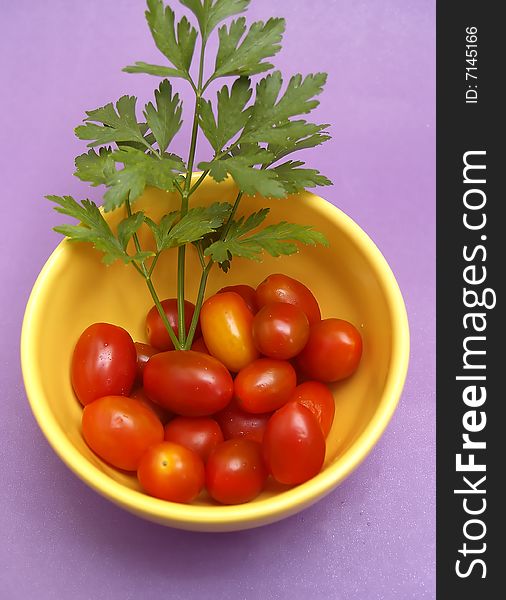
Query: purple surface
point(374, 537)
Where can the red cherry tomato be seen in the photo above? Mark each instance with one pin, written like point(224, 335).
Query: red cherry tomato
point(280, 330)
point(144, 353)
point(264, 385)
point(171, 472)
point(281, 288)
point(158, 335)
point(200, 434)
point(226, 327)
point(236, 423)
point(246, 292)
point(120, 430)
point(199, 345)
point(319, 399)
point(235, 472)
point(293, 446)
point(332, 352)
point(188, 383)
point(140, 395)
point(104, 363)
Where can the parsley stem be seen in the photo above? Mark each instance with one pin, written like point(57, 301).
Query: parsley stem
point(147, 278)
point(181, 254)
point(198, 182)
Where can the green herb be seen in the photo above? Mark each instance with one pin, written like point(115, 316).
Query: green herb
point(250, 129)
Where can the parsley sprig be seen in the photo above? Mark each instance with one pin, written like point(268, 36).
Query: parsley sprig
point(250, 127)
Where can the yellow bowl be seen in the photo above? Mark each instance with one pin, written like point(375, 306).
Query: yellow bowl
point(351, 280)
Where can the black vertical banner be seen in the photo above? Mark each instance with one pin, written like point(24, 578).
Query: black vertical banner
point(471, 258)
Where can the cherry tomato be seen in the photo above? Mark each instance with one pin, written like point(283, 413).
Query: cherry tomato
point(264, 385)
point(226, 326)
point(188, 383)
point(156, 331)
point(293, 446)
point(235, 471)
point(280, 330)
point(318, 398)
point(246, 292)
point(140, 395)
point(144, 353)
point(104, 363)
point(171, 472)
point(199, 345)
point(281, 288)
point(332, 352)
point(120, 429)
point(200, 434)
point(236, 423)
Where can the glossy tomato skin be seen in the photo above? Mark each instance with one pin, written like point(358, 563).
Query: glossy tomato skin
point(200, 434)
point(171, 472)
point(280, 330)
point(226, 327)
point(319, 399)
point(158, 336)
point(237, 423)
point(104, 363)
point(247, 293)
point(293, 445)
point(120, 430)
point(235, 471)
point(144, 353)
point(264, 385)
point(332, 352)
point(188, 383)
point(281, 288)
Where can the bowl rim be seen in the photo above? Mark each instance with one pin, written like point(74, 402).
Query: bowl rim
point(261, 511)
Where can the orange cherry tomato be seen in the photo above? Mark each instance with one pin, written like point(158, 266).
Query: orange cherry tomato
point(281, 288)
point(171, 472)
point(247, 293)
point(226, 327)
point(319, 399)
point(120, 430)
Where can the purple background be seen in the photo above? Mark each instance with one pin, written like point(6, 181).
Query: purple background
point(374, 537)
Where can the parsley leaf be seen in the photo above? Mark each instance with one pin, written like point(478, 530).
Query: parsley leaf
point(179, 50)
point(292, 145)
point(240, 54)
point(209, 14)
point(232, 115)
point(164, 120)
point(276, 239)
point(157, 70)
point(139, 170)
point(248, 178)
point(93, 228)
point(95, 168)
point(270, 114)
point(198, 222)
point(294, 179)
point(118, 125)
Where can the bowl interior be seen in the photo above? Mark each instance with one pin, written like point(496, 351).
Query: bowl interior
point(350, 280)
